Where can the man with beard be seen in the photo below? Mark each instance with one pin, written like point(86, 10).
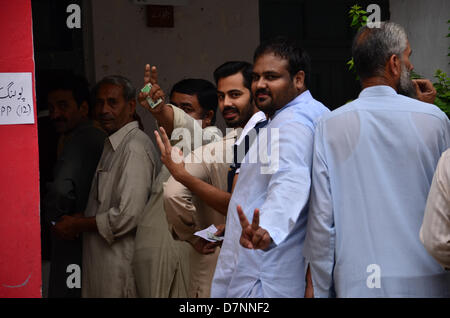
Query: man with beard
point(373, 164)
point(80, 147)
point(265, 259)
point(196, 195)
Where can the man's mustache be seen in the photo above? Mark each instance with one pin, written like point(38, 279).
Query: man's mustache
point(262, 91)
point(105, 117)
point(230, 108)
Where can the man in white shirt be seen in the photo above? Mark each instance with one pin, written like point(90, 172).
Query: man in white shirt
point(196, 195)
point(373, 163)
point(435, 230)
point(161, 264)
point(278, 188)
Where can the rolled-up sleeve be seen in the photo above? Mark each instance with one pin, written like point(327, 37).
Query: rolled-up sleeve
point(435, 230)
point(179, 207)
point(319, 244)
point(132, 189)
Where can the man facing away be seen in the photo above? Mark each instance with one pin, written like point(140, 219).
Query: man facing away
point(374, 160)
point(196, 196)
point(80, 150)
point(119, 192)
point(265, 259)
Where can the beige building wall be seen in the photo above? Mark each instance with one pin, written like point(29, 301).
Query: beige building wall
point(206, 33)
point(210, 32)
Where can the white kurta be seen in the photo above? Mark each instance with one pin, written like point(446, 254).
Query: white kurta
point(119, 192)
point(186, 213)
point(435, 230)
point(374, 160)
point(160, 263)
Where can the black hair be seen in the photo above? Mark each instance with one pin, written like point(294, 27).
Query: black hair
point(298, 59)
point(78, 85)
point(205, 91)
point(234, 67)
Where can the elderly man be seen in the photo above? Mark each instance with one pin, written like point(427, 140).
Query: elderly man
point(119, 192)
point(265, 259)
point(374, 160)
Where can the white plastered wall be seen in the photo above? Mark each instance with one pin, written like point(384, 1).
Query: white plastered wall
point(425, 22)
point(206, 33)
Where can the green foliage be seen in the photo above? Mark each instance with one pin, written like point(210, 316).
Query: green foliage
point(359, 19)
point(351, 65)
point(442, 87)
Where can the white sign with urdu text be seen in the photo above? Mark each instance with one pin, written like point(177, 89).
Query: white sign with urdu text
point(16, 99)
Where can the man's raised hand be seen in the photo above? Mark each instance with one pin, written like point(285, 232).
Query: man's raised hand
point(151, 76)
point(253, 236)
point(425, 90)
point(171, 157)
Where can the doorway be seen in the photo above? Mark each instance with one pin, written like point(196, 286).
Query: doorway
point(323, 29)
point(59, 51)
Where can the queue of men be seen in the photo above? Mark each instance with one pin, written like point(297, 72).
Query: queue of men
point(306, 202)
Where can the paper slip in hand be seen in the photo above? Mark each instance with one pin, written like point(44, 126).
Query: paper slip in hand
point(208, 234)
point(150, 101)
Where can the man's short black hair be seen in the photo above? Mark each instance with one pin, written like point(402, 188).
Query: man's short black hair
point(205, 91)
point(234, 67)
point(290, 50)
point(78, 85)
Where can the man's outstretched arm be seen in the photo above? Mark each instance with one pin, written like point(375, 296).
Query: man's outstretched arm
point(163, 113)
point(211, 195)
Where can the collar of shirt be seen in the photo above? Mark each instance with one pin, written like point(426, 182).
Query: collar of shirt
point(303, 97)
point(378, 90)
point(116, 138)
point(256, 118)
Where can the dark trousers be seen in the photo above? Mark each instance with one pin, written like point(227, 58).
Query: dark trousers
point(63, 254)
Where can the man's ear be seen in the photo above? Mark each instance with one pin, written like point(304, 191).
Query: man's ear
point(132, 107)
point(208, 117)
point(394, 66)
point(299, 80)
point(84, 109)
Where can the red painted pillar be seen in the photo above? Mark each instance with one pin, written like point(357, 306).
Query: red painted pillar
point(20, 254)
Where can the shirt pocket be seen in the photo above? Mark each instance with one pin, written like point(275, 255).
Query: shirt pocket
point(102, 185)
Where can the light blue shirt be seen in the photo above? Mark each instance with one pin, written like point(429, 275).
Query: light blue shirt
point(280, 189)
point(373, 164)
